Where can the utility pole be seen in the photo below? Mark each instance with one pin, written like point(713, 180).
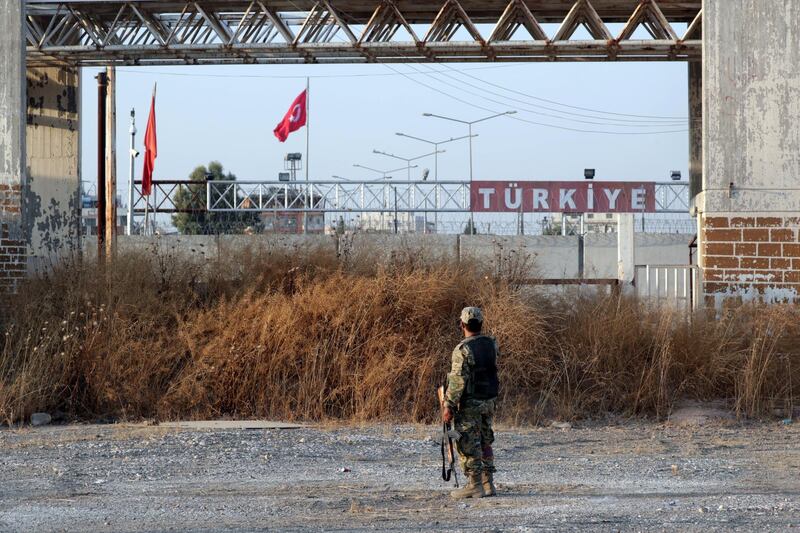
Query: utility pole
point(395, 208)
point(102, 94)
point(133, 153)
point(581, 246)
point(111, 162)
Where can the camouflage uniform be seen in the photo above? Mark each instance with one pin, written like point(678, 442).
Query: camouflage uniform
point(472, 416)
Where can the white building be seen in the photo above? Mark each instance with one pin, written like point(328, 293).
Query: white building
point(385, 223)
point(592, 222)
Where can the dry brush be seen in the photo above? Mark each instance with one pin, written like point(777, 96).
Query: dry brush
point(310, 336)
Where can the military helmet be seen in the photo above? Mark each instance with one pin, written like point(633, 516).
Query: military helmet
point(471, 313)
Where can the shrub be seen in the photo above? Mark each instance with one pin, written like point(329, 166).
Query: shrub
point(304, 335)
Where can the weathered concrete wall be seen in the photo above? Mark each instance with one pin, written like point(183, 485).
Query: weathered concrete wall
point(600, 260)
point(407, 248)
point(12, 143)
point(53, 200)
point(551, 257)
point(750, 204)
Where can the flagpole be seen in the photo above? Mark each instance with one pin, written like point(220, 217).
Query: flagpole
point(308, 134)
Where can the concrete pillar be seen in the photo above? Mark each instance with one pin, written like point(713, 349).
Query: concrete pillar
point(12, 144)
point(626, 248)
point(695, 129)
point(750, 204)
point(53, 141)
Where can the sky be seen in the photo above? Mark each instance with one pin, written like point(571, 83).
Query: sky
point(227, 114)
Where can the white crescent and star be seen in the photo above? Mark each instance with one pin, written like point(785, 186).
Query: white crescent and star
point(296, 112)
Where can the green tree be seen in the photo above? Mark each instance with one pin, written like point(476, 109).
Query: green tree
point(200, 221)
point(552, 229)
point(469, 229)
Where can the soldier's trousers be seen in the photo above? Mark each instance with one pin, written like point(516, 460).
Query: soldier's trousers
point(474, 422)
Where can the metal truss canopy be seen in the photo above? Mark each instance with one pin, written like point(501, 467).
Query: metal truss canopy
point(163, 32)
point(340, 197)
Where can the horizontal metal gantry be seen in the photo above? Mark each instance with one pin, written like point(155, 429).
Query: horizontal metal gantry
point(164, 32)
point(339, 197)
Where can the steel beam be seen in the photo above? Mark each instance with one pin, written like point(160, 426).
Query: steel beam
point(150, 32)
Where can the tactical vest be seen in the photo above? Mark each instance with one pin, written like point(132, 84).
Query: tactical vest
point(483, 383)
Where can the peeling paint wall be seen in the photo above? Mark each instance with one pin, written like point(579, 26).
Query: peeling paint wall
point(53, 157)
point(750, 204)
point(751, 87)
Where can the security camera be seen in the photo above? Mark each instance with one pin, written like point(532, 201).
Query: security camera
point(134, 152)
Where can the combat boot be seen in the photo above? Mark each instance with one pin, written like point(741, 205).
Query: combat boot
point(473, 489)
point(487, 480)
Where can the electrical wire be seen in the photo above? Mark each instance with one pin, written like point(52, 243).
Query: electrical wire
point(471, 104)
point(634, 122)
point(554, 126)
point(541, 114)
point(554, 102)
point(288, 77)
point(642, 120)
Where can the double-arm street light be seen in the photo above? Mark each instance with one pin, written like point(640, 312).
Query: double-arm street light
point(435, 147)
point(469, 124)
point(435, 171)
point(384, 173)
point(408, 160)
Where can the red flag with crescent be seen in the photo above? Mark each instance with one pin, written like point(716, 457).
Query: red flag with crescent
point(150, 149)
point(294, 120)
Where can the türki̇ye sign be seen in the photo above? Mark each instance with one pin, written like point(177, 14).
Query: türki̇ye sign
point(563, 197)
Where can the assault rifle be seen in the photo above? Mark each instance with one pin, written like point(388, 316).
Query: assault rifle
point(449, 436)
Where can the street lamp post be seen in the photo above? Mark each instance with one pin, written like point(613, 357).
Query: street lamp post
point(408, 160)
point(386, 175)
point(469, 124)
point(395, 209)
point(435, 172)
point(435, 147)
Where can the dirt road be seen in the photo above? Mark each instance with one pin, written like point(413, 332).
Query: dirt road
point(606, 478)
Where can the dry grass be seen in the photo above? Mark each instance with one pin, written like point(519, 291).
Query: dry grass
point(308, 336)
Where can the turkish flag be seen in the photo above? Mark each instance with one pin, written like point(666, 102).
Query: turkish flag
point(150, 149)
point(294, 120)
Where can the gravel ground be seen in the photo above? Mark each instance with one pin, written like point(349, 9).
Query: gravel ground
point(607, 478)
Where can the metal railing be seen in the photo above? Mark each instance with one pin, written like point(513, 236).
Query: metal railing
point(675, 285)
point(339, 196)
point(377, 196)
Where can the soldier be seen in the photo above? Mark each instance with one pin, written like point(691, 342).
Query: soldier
point(472, 387)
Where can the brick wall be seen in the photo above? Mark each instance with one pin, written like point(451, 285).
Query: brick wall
point(751, 257)
point(13, 248)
